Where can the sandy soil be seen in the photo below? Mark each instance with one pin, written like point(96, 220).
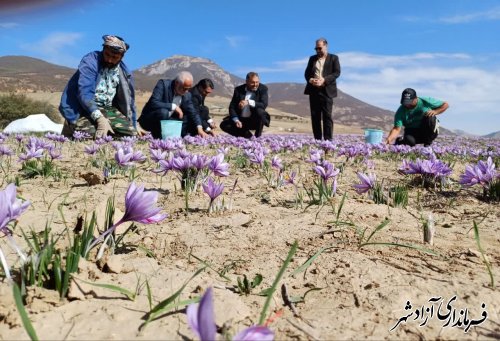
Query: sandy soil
point(362, 292)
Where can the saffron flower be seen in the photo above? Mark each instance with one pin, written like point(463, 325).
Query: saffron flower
point(201, 320)
point(484, 173)
point(218, 166)
point(32, 153)
point(213, 190)
point(367, 183)
point(92, 149)
point(124, 159)
point(276, 163)
point(10, 209)
point(5, 150)
point(326, 170)
point(140, 207)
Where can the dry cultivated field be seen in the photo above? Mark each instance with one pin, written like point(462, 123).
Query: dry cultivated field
point(289, 242)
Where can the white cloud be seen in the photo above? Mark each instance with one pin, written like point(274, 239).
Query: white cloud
point(366, 60)
point(235, 41)
point(8, 25)
point(54, 47)
point(492, 14)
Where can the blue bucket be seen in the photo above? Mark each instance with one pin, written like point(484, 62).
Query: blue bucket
point(170, 129)
point(373, 136)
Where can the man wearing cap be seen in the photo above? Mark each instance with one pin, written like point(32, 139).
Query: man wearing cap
point(99, 98)
point(418, 116)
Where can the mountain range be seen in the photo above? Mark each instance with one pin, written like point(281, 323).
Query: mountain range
point(27, 74)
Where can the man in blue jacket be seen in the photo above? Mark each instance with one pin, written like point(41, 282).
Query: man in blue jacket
point(171, 100)
point(99, 98)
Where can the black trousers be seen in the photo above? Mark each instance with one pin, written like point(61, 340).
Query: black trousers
point(321, 110)
point(424, 134)
point(254, 122)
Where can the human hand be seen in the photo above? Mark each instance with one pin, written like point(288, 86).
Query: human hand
point(238, 124)
point(141, 131)
point(178, 110)
point(431, 113)
point(242, 103)
point(213, 125)
point(103, 127)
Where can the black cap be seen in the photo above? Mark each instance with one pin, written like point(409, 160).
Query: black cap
point(408, 96)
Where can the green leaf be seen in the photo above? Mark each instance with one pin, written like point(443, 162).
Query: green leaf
point(287, 261)
point(130, 295)
point(422, 249)
point(256, 280)
point(378, 228)
point(306, 264)
point(485, 261)
point(22, 312)
point(166, 304)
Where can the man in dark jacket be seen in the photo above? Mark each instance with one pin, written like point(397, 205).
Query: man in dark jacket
point(198, 94)
point(171, 100)
point(247, 110)
point(99, 98)
point(321, 75)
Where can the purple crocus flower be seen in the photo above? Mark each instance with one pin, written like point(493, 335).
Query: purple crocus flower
point(202, 321)
point(254, 333)
point(55, 154)
point(10, 209)
point(367, 182)
point(123, 159)
point(140, 206)
point(137, 156)
point(31, 153)
point(198, 161)
point(5, 150)
point(326, 170)
point(213, 189)
point(158, 154)
point(276, 163)
point(92, 149)
point(201, 317)
point(483, 173)
point(218, 166)
point(291, 178)
point(315, 156)
point(80, 135)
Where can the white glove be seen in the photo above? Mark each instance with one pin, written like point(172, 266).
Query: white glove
point(103, 127)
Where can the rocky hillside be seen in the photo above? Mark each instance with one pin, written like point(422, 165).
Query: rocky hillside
point(200, 68)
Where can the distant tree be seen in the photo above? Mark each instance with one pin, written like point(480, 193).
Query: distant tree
point(14, 106)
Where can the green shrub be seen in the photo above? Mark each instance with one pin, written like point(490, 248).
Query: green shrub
point(14, 106)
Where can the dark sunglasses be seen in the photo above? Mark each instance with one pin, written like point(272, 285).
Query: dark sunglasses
point(318, 48)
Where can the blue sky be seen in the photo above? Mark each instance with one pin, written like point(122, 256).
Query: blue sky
point(447, 49)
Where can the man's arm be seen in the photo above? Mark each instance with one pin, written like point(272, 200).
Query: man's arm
point(233, 106)
point(334, 72)
point(157, 100)
point(437, 111)
point(192, 114)
point(262, 99)
point(88, 73)
point(393, 134)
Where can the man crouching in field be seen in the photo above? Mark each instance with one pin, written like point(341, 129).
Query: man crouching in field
point(99, 98)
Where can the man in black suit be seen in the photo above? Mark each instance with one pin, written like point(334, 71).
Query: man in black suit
point(198, 94)
point(247, 110)
point(321, 75)
point(170, 100)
